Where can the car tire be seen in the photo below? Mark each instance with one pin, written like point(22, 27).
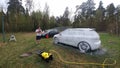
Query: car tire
point(84, 47)
point(56, 41)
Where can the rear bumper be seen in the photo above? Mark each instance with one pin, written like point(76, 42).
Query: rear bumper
point(96, 45)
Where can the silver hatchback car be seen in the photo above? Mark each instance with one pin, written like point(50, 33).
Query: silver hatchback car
point(86, 39)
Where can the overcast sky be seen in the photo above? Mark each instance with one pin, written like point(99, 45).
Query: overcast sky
point(57, 7)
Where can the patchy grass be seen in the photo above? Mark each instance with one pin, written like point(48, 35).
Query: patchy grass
point(112, 44)
point(10, 52)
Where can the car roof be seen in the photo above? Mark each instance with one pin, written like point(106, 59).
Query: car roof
point(80, 29)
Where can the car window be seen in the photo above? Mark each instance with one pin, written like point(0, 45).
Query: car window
point(52, 32)
point(64, 32)
point(71, 33)
point(68, 32)
point(79, 32)
point(90, 32)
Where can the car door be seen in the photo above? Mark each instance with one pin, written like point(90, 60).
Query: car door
point(70, 38)
point(76, 37)
point(63, 37)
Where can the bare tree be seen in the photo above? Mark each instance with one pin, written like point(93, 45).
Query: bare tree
point(1, 8)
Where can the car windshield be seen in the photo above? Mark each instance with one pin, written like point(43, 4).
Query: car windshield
point(46, 31)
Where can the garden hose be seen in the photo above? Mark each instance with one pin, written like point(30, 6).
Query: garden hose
point(98, 64)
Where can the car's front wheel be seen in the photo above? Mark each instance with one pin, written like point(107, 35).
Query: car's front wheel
point(56, 41)
point(84, 47)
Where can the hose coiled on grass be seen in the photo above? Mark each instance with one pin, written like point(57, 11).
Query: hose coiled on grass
point(90, 63)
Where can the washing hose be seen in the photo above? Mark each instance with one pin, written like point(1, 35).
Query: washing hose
point(98, 64)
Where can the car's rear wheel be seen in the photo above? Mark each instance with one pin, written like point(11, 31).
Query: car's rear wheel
point(84, 47)
point(56, 41)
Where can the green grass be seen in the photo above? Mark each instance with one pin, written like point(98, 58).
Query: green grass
point(10, 52)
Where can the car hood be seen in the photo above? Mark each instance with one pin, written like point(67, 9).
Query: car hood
point(56, 35)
